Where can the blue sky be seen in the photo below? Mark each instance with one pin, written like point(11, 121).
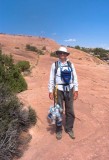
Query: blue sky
point(68, 22)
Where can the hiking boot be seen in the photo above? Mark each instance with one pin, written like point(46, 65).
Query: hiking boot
point(71, 134)
point(59, 135)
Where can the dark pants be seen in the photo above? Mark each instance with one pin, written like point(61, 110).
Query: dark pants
point(69, 111)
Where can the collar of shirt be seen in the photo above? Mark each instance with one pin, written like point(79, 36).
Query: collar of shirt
point(60, 62)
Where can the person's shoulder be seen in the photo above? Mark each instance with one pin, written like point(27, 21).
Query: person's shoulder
point(53, 65)
point(72, 64)
point(55, 62)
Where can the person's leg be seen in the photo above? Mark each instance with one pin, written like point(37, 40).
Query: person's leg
point(69, 112)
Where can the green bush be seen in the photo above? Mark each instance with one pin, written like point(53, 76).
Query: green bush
point(16, 81)
point(14, 120)
point(10, 74)
point(53, 54)
point(77, 47)
point(31, 48)
point(23, 65)
point(40, 52)
point(34, 49)
point(101, 53)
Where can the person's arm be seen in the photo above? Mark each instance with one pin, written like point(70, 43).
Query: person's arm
point(51, 82)
point(75, 82)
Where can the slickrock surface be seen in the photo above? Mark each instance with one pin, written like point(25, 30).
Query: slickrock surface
point(91, 108)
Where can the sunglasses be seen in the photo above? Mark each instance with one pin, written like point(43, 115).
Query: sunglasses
point(60, 53)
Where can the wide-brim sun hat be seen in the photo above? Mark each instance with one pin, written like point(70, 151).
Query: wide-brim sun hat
point(62, 49)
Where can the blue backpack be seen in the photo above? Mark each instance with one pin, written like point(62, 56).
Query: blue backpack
point(65, 73)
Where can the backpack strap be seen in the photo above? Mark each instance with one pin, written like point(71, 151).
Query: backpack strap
point(69, 65)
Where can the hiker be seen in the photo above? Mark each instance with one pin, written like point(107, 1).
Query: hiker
point(63, 85)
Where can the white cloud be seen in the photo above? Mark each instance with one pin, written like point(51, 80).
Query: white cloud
point(70, 40)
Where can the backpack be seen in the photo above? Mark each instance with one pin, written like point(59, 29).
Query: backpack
point(65, 74)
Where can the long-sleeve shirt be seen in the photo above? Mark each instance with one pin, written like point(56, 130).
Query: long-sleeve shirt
point(73, 82)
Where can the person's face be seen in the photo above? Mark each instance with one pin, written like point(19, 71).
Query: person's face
point(62, 55)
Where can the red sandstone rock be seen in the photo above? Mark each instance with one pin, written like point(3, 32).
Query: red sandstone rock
point(92, 108)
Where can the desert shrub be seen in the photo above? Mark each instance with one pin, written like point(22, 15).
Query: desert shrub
point(70, 46)
point(77, 47)
point(10, 74)
point(101, 53)
point(32, 116)
point(44, 48)
point(40, 52)
point(16, 81)
point(6, 60)
point(17, 48)
point(34, 49)
point(14, 120)
point(53, 54)
point(31, 48)
point(23, 65)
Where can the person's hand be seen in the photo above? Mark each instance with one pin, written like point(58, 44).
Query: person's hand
point(51, 96)
point(75, 95)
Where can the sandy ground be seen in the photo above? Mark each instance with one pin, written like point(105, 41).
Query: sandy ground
point(92, 109)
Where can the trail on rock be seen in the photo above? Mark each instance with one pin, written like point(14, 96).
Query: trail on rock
point(92, 109)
